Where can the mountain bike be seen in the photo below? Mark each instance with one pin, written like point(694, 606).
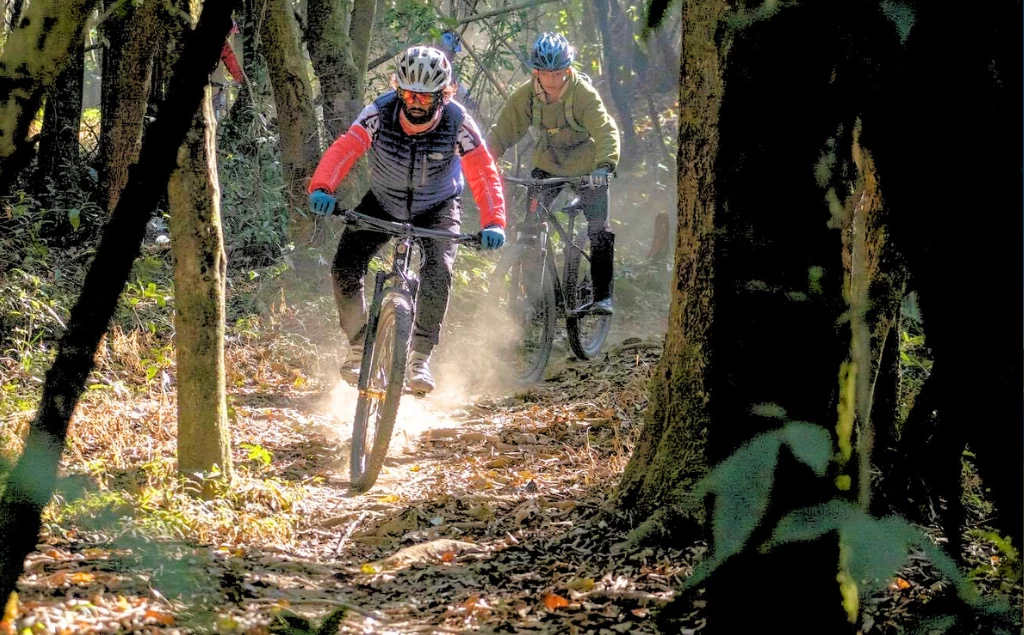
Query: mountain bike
point(389, 327)
point(526, 284)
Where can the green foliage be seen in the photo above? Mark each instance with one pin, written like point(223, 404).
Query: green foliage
point(154, 501)
point(258, 454)
point(902, 16)
point(253, 197)
point(872, 548)
point(148, 296)
point(742, 485)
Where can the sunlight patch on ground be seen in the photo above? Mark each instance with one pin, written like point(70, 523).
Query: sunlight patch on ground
point(415, 416)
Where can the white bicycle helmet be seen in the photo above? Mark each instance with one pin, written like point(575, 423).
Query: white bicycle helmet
point(423, 69)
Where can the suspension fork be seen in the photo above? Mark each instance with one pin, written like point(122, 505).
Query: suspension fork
point(372, 319)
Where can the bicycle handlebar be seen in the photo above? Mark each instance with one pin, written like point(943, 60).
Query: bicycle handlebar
point(406, 229)
point(556, 180)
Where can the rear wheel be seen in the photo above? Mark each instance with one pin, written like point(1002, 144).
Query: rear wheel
point(587, 333)
point(377, 407)
point(524, 293)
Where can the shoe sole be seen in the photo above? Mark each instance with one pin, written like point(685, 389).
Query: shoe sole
point(420, 390)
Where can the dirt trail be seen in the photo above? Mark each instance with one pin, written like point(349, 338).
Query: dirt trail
point(484, 515)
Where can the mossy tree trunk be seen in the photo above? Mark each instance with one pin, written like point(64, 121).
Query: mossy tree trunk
point(770, 346)
point(339, 40)
point(956, 201)
point(200, 269)
point(132, 31)
point(296, 121)
point(35, 54)
point(670, 457)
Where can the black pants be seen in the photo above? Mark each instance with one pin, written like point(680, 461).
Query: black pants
point(602, 241)
point(357, 247)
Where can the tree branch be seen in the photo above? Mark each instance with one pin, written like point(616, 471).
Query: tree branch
point(515, 7)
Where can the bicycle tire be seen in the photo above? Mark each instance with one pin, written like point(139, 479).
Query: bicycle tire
point(513, 273)
point(587, 333)
point(377, 406)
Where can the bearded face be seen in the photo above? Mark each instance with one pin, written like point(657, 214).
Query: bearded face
point(419, 108)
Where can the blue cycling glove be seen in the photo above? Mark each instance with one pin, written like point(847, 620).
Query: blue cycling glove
point(599, 177)
point(321, 203)
point(493, 237)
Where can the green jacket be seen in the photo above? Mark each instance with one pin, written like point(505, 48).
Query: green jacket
point(563, 149)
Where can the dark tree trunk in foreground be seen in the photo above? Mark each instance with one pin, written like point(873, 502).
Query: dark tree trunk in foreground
point(31, 483)
point(956, 201)
point(778, 341)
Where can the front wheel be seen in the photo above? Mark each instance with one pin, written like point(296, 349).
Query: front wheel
point(587, 333)
point(524, 293)
point(377, 407)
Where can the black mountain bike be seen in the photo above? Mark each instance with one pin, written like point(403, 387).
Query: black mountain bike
point(526, 284)
point(390, 320)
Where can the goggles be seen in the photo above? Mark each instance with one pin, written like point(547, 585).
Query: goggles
point(413, 98)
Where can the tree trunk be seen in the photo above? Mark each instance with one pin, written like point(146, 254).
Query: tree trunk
point(127, 78)
point(339, 38)
point(669, 458)
point(616, 35)
point(235, 126)
point(979, 401)
point(331, 54)
point(33, 57)
point(58, 143)
point(200, 268)
point(360, 30)
point(296, 121)
point(885, 409)
point(778, 340)
point(31, 483)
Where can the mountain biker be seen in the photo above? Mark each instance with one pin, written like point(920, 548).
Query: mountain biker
point(422, 142)
point(219, 82)
point(578, 138)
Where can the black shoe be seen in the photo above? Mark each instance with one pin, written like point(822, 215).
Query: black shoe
point(601, 307)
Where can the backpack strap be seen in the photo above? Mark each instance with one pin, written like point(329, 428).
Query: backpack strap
point(570, 99)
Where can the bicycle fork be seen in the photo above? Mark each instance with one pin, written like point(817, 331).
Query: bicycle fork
point(372, 319)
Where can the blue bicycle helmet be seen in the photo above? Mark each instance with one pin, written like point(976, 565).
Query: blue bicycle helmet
point(551, 52)
point(450, 41)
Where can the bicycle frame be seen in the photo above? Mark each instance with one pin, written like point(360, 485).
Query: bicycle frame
point(406, 283)
point(401, 279)
point(567, 234)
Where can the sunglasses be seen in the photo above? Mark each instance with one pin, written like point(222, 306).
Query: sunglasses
point(423, 99)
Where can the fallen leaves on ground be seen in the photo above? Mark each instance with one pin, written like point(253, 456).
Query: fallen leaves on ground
point(494, 514)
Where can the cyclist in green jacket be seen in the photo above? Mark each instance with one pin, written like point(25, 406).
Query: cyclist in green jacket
point(577, 138)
